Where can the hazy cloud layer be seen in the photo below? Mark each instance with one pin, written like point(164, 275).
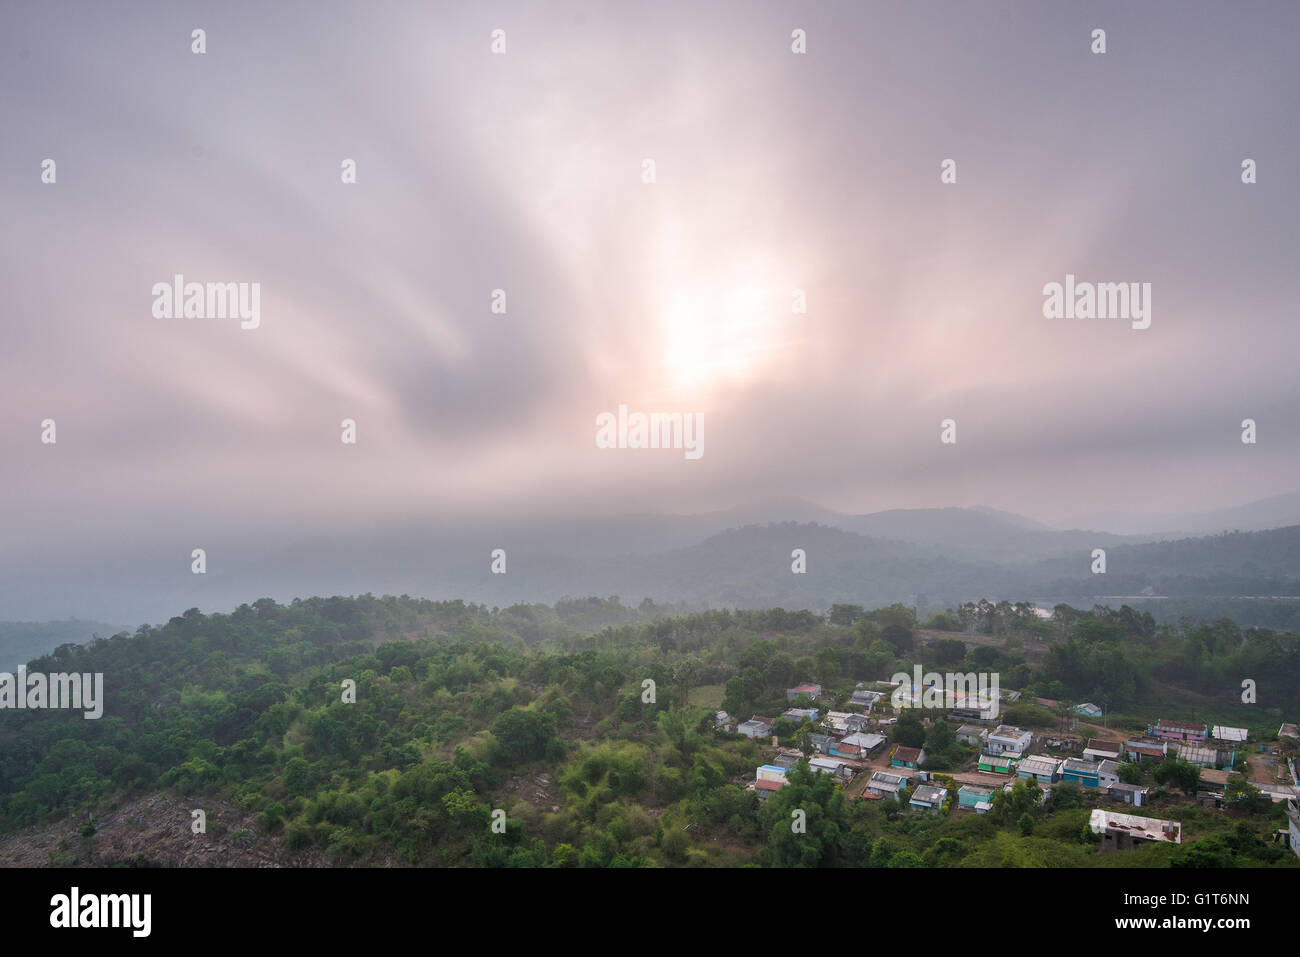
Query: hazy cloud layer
point(523, 172)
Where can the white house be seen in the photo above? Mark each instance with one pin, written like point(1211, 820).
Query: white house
point(1004, 739)
point(1099, 750)
point(1107, 774)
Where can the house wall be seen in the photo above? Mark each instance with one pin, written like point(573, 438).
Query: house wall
point(1187, 737)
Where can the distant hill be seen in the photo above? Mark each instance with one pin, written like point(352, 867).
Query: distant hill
point(931, 558)
point(1278, 511)
point(24, 641)
point(1241, 563)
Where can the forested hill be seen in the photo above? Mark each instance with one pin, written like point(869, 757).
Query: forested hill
point(460, 710)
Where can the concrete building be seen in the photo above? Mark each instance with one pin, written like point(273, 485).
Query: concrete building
point(927, 797)
point(1008, 740)
point(1122, 831)
point(866, 741)
point(886, 785)
point(907, 757)
point(1098, 750)
point(1080, 772)
point(972, 734)
point(1134, 794)
point(843, 722)
point(976, 797)
point(865, 699)
point(830, 766)
point(1186, 732)
point(1107, 773)
point(1040, 767)
point(1146, 750)
point(996, 764)
point(811, 691)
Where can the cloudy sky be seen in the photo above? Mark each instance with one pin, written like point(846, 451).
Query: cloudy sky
point(524, 171)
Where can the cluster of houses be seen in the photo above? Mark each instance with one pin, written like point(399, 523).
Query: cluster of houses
point(1005, 751)
point(772, 777)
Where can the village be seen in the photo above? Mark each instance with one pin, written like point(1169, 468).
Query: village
point(854, 746)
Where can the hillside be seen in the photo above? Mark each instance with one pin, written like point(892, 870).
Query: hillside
point(458, 712)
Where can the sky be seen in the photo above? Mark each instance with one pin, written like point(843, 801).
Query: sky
point(774, 171)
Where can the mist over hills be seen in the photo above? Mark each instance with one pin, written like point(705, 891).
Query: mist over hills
point(1277, 511)
point(739, 557)
point(22, 641)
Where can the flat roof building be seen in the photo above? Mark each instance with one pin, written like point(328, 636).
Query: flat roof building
point(1122, 831)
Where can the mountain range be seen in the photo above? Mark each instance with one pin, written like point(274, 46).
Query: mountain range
point(742, 557)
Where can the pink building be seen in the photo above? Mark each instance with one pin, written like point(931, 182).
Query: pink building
point(1189, 732)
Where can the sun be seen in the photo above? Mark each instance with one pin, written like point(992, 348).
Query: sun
point(714, 335)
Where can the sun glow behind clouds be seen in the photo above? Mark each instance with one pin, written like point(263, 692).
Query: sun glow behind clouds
point(716, 335)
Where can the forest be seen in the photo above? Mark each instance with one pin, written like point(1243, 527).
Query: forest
point(456, 707)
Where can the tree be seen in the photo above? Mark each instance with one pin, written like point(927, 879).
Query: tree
point(908, 731)
point(524, 735)
point(824, 821)
point(686, 672)
point(1240, 793)
point(1178, 773)
point(682, 727)
point(896, 615)
point(828, 665)
point(942, 749)
point(946, 651)
point(845, 615)
point(1019, 802)
point(1130, 772)
point(898, 638)
point(783, 728)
